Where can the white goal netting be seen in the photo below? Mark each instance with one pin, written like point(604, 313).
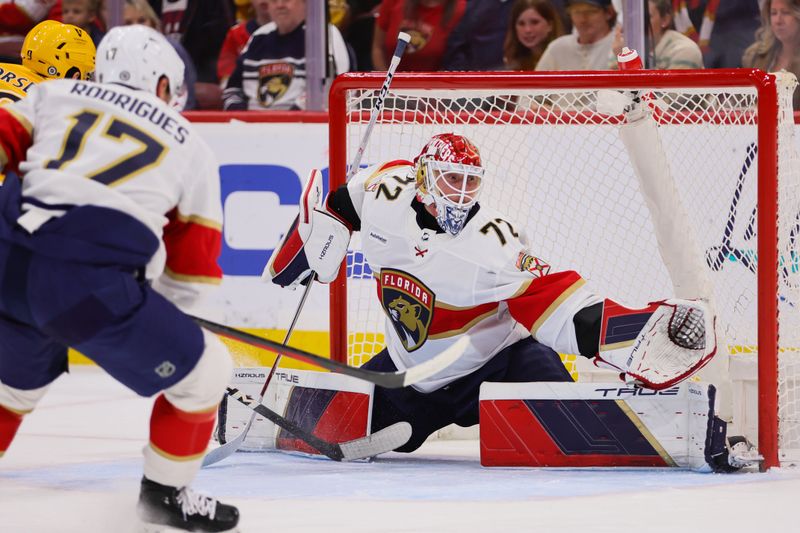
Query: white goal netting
point(557, 167)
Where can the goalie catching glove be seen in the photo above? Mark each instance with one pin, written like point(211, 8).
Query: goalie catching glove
point(659, 346)
point(316, 242)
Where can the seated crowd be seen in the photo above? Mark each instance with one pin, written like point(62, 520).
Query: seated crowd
point(250, 54)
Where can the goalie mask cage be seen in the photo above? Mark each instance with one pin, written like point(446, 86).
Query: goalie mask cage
point(557, 167)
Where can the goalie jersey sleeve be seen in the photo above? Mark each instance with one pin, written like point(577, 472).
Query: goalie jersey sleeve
point(80, 144)
point(434, 288)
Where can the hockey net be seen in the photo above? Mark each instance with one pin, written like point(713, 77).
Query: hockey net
point(557, 167)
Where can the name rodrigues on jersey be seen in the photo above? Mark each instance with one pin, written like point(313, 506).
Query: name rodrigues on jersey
point(131, 104)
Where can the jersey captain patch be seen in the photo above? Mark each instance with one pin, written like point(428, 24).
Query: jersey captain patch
point(528, 263)
point(409, 305)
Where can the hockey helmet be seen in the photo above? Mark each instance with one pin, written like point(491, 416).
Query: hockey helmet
point(449, 176)
point(138, 56)
point(55, 50)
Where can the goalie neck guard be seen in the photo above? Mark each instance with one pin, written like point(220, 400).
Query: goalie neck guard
point(449, 176)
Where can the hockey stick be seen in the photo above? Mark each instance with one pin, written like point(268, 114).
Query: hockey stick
point(402, 40)
point(382, 441)
point(230, 447)
point(388, 380)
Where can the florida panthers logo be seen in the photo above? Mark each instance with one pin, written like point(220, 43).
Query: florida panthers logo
point(273, 82)
point(409, 305)
point(420, 33)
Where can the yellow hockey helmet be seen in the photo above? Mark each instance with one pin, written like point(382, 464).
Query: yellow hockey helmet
point(55, 50)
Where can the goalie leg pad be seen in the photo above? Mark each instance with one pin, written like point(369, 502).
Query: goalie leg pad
point(333, 407)
point(677, 339)
point(598, 424)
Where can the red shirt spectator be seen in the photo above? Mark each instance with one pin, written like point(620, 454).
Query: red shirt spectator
point(237, 37)
point(232, 46)
point(429, 22)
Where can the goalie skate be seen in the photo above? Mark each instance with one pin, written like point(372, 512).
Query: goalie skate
point(163, 509)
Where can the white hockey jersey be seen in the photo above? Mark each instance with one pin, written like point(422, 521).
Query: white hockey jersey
point(79, 143)
point(435, 287)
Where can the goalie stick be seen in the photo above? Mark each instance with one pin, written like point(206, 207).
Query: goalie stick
point(385, 440)
point(388, 380)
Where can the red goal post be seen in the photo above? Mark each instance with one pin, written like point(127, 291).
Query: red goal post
point(553, 160)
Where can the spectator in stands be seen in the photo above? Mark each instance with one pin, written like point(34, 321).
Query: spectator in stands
point(140, 12)
point(270, 72)
point(589, 46)
point(338, 13)
point(533, 25)
point(428, 22)
point(84, 14)
point(726, 28)
point(17, 19)
point(200, 26)
point(243, 10)
point(237, 38)
point(359, 29)
point(476, 43)
point(673, 50)
point(777, 45)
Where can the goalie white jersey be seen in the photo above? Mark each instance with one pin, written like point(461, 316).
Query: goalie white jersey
point(435, 287)
point(118, 148)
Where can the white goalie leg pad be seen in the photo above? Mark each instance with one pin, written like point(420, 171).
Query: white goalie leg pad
point(333, 406)
point(598, 424)
point(233, 417)
point(678, 339)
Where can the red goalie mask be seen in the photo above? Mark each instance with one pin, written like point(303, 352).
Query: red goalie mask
point(449, 176)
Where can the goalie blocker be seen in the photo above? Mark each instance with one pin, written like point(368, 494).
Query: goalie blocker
point(316, 242)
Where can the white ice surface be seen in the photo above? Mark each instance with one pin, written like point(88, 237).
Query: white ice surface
point(76, 464)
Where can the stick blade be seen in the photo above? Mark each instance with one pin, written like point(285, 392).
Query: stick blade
point(385, 440)
point(436, 364)
point(229, 448)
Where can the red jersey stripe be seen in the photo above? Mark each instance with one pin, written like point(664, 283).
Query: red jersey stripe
point(536, 301)
point(449, 321)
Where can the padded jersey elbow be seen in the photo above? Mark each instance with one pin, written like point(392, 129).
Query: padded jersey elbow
point(340, 204)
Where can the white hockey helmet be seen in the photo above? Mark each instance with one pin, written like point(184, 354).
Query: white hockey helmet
point(449, 175)
point(138, 56)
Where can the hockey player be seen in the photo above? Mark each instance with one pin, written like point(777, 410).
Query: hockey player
point(50, 50)
point(117, 220)
point(448, 266)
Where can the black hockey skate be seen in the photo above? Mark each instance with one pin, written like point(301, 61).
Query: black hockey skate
point(165, 508)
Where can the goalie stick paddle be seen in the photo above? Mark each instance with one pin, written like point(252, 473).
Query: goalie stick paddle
point(388, 380)
point(385, 440)
point(229, 448)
